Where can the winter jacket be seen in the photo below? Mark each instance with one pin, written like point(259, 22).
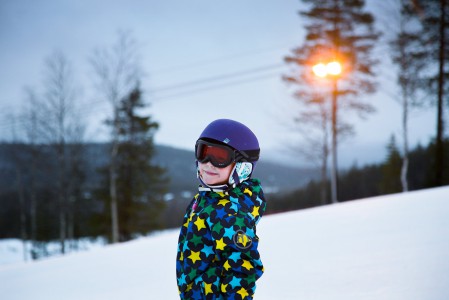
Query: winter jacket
point(217, 249)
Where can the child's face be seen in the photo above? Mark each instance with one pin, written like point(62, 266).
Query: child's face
point(212, 175)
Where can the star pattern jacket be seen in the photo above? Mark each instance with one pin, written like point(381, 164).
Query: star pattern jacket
point(217, 250)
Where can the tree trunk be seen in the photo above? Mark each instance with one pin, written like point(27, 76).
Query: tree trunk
point(71, 223)
point(113, 193)
point(61, 196)
point(23, 231)
point(439, 161)
point(334, 176)
point(404, 169)
point(324, 160)
point(33, 219)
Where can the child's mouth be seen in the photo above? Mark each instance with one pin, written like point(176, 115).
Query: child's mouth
point(209, 173)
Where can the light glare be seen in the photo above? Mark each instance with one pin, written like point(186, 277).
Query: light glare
point(333, 68)
point(319, 70)
point(322, 70)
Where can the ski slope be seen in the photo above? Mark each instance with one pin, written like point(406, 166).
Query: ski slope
point(390, 247)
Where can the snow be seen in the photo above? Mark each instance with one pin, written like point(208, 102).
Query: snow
point(388, 247)
point(11, 250)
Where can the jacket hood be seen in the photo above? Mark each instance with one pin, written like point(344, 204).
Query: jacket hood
point(250, 198)
point(247, 198)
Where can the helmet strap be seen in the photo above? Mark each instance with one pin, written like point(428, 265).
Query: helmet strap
point(205, 187)
point(241, 172)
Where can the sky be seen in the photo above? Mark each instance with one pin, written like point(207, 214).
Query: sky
point(389, 247)
point(203, 60)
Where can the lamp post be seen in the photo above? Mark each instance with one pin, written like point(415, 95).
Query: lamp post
point(332, 70)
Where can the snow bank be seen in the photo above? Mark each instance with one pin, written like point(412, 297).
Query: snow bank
point(389, 247)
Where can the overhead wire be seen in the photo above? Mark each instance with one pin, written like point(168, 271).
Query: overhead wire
point(233, 83)
point(186, 85)
point(218, 78)
point(206, 62)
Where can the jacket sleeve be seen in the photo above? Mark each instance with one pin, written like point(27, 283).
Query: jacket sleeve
point(196, 252)
point(235, 243)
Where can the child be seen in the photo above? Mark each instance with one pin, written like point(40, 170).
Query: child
point(217, 249)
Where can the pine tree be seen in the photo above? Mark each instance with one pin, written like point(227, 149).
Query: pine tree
point(433, 16)
point(337, 30)
point(118, 71)
point(391, 170)
point(140, 183)
point(407, 54)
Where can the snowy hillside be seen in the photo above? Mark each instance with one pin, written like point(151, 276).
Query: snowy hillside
point(390, 247)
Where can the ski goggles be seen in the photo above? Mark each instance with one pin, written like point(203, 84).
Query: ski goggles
point(220, 156)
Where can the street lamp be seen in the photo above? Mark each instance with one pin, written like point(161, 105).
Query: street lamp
point(332, 70)
point(322, 70)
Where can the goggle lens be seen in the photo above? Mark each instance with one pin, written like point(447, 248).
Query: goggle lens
point(219, 156)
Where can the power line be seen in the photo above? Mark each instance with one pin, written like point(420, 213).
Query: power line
point(203, 63)
point(218, 78)
point(195, 91)
point(214, 79)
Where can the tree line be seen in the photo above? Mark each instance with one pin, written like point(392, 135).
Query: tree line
point(371, 180)
point(53, 192)
point(49, 194)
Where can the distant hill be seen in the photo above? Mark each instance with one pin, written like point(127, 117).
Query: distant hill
point(180, 165)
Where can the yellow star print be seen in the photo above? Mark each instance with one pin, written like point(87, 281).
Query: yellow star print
point(226, 265)
point(195, 256)
point(223, 288)
point(208, 288)
point(248, 191)
point(243, 293)
point(247, 265)
point(255, 211)
point(199, 224)
point(220, 244)
point(223, 202)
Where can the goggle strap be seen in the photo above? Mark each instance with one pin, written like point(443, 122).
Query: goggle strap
point(249, 155)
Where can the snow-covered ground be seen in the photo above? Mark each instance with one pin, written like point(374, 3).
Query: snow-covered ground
point(391, 247)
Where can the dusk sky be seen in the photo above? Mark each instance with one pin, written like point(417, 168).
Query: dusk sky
point(219, 59)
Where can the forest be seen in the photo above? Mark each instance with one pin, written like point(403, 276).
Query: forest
point(88, 213)
point(371, 180)
point(55, 186)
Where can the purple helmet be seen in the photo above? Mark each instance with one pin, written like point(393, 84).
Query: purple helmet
point(233, 134)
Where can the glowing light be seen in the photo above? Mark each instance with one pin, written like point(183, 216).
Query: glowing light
point(333, 68)
point(319, 70)
point(322, 70)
